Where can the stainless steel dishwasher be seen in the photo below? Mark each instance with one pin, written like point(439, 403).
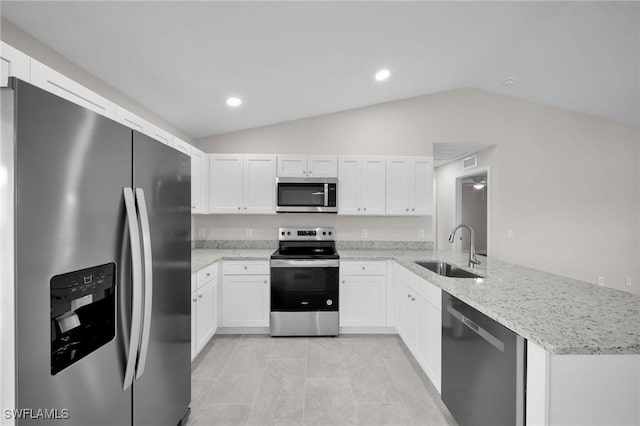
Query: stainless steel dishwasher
point(483, 367)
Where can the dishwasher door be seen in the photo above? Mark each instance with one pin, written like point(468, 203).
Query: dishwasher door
point(483, 367)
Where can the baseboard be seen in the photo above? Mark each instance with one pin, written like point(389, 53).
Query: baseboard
point(368, 330)
point(243, 330)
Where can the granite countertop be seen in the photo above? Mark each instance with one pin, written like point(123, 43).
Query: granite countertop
point(560, 314)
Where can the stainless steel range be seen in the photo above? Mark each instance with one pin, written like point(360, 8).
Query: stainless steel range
point(304, 283)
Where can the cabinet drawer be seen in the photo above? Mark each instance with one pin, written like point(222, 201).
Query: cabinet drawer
point(430, 292)
point(246, 267)
point(206, 274)
point(378, 267)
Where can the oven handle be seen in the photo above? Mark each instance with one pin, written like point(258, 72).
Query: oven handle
point(320, 263)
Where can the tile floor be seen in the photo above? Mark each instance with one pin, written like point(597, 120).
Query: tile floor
point(347, 380)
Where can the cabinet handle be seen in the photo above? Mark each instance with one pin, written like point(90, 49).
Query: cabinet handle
point(193, 207)
point(310, 172)
point(365, 209)
point(265, 281)
point(199, 296)
point(409, 296)
point(363, 268)
point(413, 210)
point(195, 300)
point(238, 208)
point(413, 299)
point(208, 274)
point(358, 208)
point(245, 208)
point(407, 209)
point(342, 281)
point(245, 267)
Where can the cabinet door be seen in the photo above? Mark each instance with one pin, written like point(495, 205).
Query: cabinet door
point(363, 301)
point(406, 314)
point(245, 301)
point(292, 165)
point(14, 64)
point(322, 166)
point(428, 349)
point(194, 317)
point(421, 197)
point(58, 84)
point(259, 194)
point(204, 314)
point(373, 185)
point(131, 120)
point(159, 134)
point(182, 146)
point(349, 187)
point(199, 180)
point(225, 183)
point(397, 191)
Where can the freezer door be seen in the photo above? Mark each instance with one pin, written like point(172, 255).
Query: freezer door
point(162, 391)
point(71, 166)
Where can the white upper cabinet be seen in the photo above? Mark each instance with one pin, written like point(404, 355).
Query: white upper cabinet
point(131, 120)
point(322, 166)
point(409, 186)
point(361, 188)
point(58, 84)
point(307, 166)
point(242, 183)
point(225, 183)
point(182, 146)
point(259, 191)
point(199, 181)
point(14, 64)
point(160, 135)
point(292, 165)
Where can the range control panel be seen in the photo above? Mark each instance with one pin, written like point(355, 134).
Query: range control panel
point(306, 234)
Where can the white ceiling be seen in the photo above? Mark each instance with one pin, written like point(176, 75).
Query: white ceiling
point(289, 60)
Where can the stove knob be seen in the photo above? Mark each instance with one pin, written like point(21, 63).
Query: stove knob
point(288, 232)
point(282, 233)
point(329, 302)
point(324, 233)
point(329, 232)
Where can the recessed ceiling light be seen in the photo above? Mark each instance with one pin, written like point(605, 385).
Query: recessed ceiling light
point(382, 75)
point(234, 102)
point(508, 82)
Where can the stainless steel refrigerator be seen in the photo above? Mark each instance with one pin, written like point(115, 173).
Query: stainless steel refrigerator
point(102, 266)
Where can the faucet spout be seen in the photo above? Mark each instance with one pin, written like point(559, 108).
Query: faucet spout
point(473, 259)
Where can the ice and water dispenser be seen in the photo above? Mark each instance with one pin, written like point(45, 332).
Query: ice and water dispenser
point(82, 313)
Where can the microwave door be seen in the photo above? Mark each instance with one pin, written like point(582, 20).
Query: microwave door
point(301, 195)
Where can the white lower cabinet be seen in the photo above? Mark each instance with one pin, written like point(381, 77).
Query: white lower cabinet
point(204, 308)
point(419, 321)
point(245, 294)
point(363, 294)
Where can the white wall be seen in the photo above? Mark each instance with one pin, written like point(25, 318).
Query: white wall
point(25, 43)
point(566, 183)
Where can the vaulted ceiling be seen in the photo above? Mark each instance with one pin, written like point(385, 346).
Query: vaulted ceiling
point(289, 60)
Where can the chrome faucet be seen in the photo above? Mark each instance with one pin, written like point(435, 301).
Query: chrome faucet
point(473, 260)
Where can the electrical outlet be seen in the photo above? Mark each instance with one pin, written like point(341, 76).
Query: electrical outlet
point(600, 280)
point(421, 233)
point(510, 234)
point(202, 233)
point(628, 281)
point(364, 233)
point(248, 233)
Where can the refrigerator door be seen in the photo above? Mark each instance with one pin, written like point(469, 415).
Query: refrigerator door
point(162, 392)
point(71, 166)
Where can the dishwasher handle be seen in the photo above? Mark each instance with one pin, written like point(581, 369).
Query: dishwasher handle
point(490, 338)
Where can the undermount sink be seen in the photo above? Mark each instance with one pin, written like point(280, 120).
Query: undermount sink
point(447, 270)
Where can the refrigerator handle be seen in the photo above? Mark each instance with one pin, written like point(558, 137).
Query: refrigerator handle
point(148, 279)
point(136, 298)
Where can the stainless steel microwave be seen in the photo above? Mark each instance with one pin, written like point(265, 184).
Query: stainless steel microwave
point(307, 195)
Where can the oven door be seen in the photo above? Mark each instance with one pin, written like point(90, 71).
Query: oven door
point(304, 285)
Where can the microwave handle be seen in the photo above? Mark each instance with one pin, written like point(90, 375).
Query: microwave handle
point(326, 194)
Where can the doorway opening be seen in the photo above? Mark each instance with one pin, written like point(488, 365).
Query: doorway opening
point(472, 208)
